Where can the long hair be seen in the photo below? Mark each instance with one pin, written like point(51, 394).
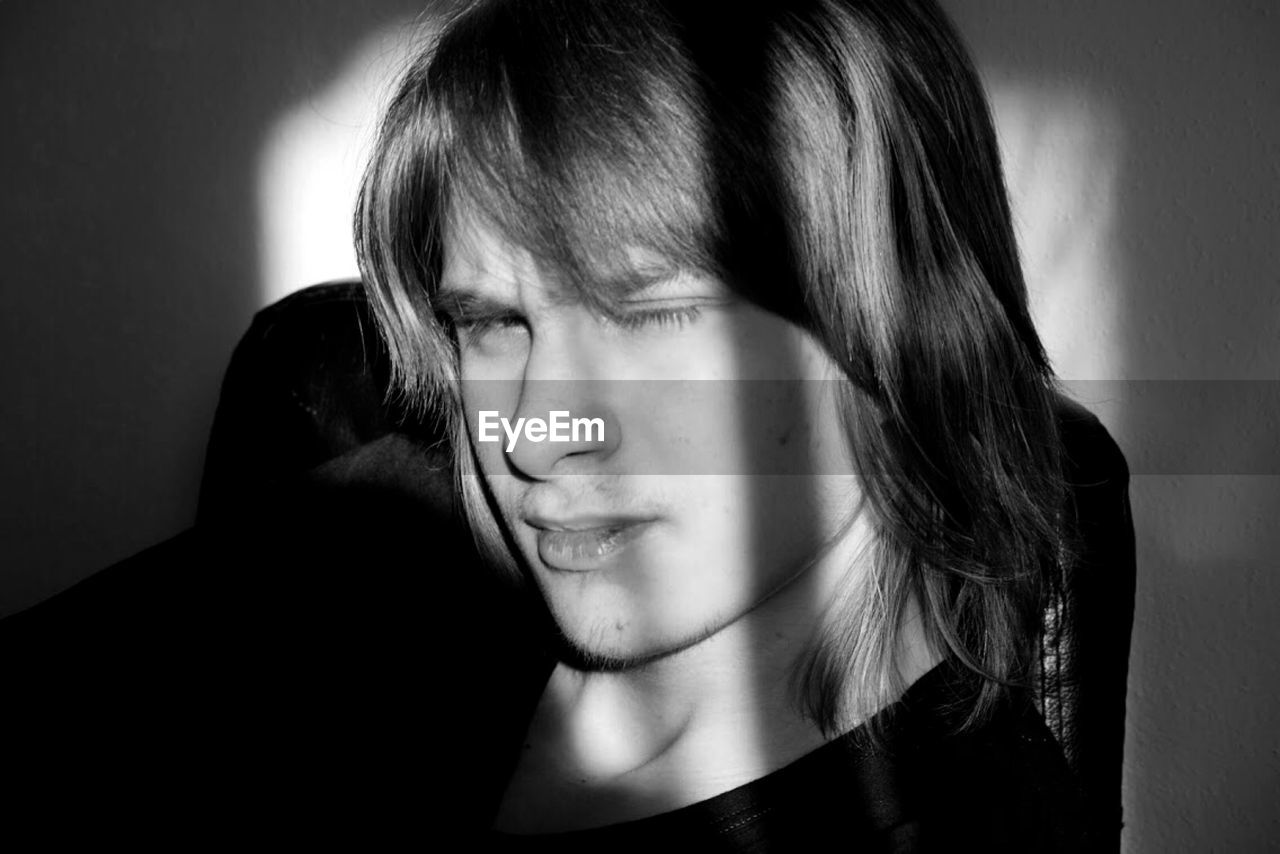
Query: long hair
point(835, 161)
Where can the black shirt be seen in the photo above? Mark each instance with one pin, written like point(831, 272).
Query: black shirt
point(1004, 786)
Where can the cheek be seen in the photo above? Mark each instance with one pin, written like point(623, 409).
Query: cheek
point(774, 427)
point(745, 535)
point(484, 404)
point(731, 428)
point(770, 405)
point(800, 430)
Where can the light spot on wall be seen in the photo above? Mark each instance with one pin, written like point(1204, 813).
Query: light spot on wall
point(310, 169)
point(1061, 148)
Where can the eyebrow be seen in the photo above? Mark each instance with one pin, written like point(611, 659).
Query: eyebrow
point(637, 281)
point(671, 283)
point(462, 303)
point(463, 300)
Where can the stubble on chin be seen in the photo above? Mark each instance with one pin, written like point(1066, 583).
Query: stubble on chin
point(606, 646)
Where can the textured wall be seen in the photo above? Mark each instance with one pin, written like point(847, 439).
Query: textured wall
point(164, 164)
point(1144, 152)
point(132, 239)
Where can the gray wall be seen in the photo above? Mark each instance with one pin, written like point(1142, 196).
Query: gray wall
point(1167, 215)
point(131, 242)
point(1142, 141)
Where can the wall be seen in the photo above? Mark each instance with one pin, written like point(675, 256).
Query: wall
point(1144, 154)
point(134, 244)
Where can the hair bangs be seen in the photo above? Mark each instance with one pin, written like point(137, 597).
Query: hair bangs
point(582, 151)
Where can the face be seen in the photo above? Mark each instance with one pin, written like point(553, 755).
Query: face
point(716, 475)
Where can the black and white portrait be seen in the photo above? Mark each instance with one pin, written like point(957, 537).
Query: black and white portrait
point(566, 426)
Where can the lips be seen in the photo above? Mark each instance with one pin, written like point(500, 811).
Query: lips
point(585, 544)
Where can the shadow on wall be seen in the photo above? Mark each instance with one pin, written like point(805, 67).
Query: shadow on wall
point(1142, 162)
point(132, 249)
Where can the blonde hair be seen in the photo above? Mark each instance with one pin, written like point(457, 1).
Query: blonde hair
point(839, 168)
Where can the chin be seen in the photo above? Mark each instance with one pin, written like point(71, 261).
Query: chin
point(631, 615)
point(606, 645)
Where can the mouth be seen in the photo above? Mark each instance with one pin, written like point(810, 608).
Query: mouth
point(584, 545)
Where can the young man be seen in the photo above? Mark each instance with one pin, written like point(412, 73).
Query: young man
point(795, 577)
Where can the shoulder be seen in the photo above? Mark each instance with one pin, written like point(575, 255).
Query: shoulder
point(1003, 785)
point(1092, 454)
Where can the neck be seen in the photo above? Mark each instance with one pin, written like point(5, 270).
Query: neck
point(698, 707)
point(692, 724)
point(605, 747)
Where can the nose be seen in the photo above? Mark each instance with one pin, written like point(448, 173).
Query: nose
point(570, 426)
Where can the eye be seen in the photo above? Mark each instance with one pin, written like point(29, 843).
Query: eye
point(483, 328)
point(676, 317)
